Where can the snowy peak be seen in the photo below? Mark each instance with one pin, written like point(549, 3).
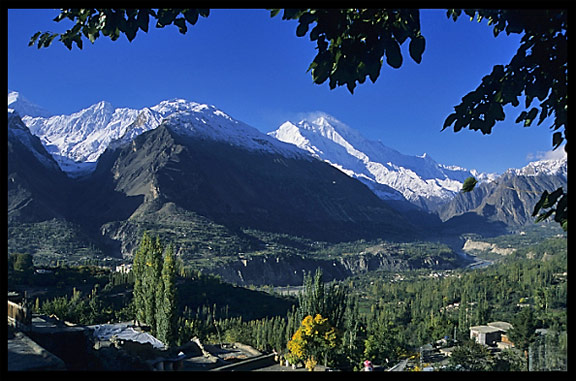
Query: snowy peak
point(418, 179)
point(558, 167)
point(23, 106)
point(208, 122)
point(76, 141)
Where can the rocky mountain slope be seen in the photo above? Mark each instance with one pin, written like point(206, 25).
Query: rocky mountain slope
point(216, 187)
point(510, 199)
point(31, 173)
point(203, 170)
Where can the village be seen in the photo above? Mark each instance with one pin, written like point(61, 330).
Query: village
point(40, 343)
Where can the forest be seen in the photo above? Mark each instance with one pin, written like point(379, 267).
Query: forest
point(381, 316)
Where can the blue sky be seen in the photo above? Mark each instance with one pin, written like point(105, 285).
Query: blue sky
point(253, 67)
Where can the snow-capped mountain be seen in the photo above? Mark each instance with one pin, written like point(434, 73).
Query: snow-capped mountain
point(542, 167)
point(76, 141)
point(23, 106)
point(206, 121)
point(510, 198)
point(389, 173)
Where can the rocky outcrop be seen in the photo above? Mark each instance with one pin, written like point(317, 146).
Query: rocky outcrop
point(290, 270)
point(480, 246)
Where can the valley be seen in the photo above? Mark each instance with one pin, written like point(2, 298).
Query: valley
point(384, 243)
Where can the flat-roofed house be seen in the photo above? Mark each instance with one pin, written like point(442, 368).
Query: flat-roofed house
point(490, 334)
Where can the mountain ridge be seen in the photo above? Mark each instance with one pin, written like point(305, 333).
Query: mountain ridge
point(213, 186)
point(390, 174)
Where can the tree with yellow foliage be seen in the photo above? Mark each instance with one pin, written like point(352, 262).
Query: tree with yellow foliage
point(313, 339)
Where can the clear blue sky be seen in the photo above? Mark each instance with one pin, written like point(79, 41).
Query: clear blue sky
point(253, 67)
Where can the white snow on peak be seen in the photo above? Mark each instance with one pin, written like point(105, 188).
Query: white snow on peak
point(23, 106)
point(209, 122)
point(372, 162)
point(542, 167)
point(76, 141)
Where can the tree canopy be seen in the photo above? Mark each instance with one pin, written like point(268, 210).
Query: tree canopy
point(352, 44)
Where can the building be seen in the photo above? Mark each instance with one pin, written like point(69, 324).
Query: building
point(491, 334)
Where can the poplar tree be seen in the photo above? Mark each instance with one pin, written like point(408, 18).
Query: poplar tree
point(138, 268)
point(155, 295)
point(166, 317)
point(317, 298)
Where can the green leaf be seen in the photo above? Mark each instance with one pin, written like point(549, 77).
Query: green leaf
point(34, 38)
point(181, 24)
point(540, 202)
point(302, 29)
point(496, 112)
point(557, 139)
point(469, 184)
point(143, 19)
point(393, 54)
point(545, 215)
point(191, 15)
point(373, 68)
point(552, 197)
point(449, 120)
point(165, 17)
point(521, 117)
point(530, 117)
point(416, 48)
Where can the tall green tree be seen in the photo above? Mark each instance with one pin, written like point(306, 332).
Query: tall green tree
point(166, 314)
point(330, 301)
point(139, 271)
point(155, 293)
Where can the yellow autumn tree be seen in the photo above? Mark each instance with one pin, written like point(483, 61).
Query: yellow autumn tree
point(313, 339)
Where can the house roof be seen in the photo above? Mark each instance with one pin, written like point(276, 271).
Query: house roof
point(502, 325)
point(125, 331)
point(492, 327)
point(484, 329)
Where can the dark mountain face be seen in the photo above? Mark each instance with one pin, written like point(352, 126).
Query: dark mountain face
point(36, 186)
point(190, 186)
point(241, 188)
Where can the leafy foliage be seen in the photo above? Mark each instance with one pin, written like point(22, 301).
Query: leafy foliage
point(469, 184)
point(558, 198)
point(313, 339)
point(155, 296)
point(351, 43)
point(90, 23)
point(471, 357)
point(538, 71)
